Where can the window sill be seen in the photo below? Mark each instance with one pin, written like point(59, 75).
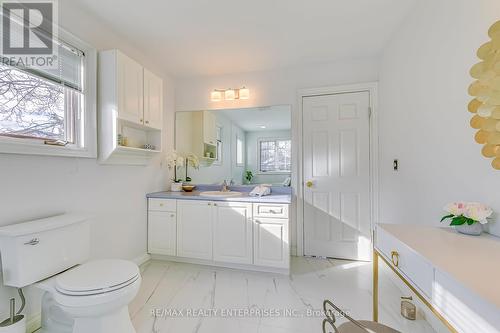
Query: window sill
point(35, 147)
point(274, 173)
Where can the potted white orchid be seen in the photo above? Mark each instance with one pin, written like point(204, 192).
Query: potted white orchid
point(174, 161)
point(468, 217)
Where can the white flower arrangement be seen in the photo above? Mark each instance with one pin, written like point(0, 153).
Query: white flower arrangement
point(174, 161)
point(467, 212)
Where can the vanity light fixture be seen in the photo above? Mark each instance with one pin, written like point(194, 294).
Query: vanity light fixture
point(230, 94)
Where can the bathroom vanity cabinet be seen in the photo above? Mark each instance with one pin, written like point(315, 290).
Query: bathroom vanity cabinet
point(220, 233)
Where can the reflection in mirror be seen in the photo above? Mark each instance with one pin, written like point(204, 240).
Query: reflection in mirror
point(242, 146)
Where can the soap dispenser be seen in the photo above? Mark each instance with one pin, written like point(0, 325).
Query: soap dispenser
point(408, 309)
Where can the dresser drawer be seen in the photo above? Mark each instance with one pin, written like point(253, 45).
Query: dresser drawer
point(270, 210)
point(416, 268)
point(162, 205)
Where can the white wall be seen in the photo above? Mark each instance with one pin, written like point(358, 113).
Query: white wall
point(423, 113)
point(274, 88)
point(252, 140)
point(112, 196)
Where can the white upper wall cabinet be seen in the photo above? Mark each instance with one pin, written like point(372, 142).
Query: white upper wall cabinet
point(153, 100)
point(130, 89)
point(130, 110)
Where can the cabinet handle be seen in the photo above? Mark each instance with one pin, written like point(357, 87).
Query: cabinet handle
point(215, 204)
point(395, 258)
point(161, 205)
point(140, 120)
point(209, 204)
point(172, 215)
point(147, 121)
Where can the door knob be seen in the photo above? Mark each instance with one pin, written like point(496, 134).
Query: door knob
point(309, 183)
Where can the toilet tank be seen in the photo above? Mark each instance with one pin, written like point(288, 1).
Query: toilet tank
point(35, 250)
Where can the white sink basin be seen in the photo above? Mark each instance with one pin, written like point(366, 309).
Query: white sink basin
point(220, 194)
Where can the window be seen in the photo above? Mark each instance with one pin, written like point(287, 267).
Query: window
point(275, 155)
point(41, 106)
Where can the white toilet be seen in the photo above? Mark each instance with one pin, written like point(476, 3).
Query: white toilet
point(80, 296)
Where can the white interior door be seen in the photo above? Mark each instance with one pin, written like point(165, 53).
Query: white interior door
point(336, 134)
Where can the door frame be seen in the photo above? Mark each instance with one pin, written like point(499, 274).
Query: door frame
point(372, 89)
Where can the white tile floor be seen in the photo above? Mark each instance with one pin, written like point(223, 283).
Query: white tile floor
point(179, 292)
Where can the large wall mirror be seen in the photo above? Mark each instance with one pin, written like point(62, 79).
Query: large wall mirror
point(242, 146)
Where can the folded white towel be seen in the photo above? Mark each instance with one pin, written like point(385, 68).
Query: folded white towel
point(260, 191)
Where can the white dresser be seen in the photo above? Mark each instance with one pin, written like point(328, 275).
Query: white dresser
point(456, 276)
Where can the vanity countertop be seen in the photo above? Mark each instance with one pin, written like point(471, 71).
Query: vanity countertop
point(471, 260)
point(277, 196)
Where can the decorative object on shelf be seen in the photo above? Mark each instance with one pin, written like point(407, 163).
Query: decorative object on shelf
point(408, 309)
point(467, 217)
point(149, 146)
point(191, 160)
point(248, 176)
point(188, 188)
point(230, 94)
point(122, 140)
point(175, 161)
point(486, 90)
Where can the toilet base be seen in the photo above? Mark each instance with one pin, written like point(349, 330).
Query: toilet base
point(55, 320)
point(118, 321)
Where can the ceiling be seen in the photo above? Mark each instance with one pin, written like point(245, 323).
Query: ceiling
point(274, 118)
point(215, 37)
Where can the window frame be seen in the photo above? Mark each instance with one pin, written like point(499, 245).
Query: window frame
point(265, 139)
point(241, 163)
point(219, 148)
point(88, 148)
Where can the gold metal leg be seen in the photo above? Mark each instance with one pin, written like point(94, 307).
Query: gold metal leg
point(375, 286)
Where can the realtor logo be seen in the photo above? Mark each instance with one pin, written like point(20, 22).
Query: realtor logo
point(28, 31)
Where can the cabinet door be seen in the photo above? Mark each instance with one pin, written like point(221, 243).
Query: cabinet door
point(162, 233)
point(153, 100)
point(233, 232)
point(194, 229)
point(209, 128)
point(271, 246)
point(130, 89)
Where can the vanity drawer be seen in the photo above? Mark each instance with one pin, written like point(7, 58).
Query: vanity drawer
point(416, 268)
point(162, 205)
point(270, 210)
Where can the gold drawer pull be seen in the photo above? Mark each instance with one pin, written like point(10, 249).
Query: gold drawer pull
point(395, 258)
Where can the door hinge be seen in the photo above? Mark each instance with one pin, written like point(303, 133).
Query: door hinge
point(369, 112)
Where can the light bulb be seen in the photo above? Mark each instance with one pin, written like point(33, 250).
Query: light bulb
point(244, 93)
point(229, 95)
point(216, 96)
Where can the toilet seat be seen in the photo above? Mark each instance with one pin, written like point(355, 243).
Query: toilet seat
point(97, 277)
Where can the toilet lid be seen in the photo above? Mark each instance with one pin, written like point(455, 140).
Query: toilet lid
point(97, 277)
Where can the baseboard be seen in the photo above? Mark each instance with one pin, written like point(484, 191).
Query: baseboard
point(203, 262)
point(142, 259)
point(34, 323)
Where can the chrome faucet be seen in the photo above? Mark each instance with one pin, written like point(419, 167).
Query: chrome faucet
point(224, 186)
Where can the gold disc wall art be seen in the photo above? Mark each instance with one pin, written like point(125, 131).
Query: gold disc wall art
point(486, 90)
